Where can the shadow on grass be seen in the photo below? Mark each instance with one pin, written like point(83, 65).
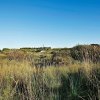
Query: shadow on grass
point(76, 86)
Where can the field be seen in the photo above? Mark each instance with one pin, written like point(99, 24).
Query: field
point(50, 74)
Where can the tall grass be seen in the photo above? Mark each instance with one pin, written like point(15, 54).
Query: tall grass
point(21, 81)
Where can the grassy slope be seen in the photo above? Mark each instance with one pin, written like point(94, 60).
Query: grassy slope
point(77, 79)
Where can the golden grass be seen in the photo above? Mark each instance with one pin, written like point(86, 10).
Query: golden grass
point(34, 79)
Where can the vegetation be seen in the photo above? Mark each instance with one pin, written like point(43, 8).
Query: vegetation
point(50, 74)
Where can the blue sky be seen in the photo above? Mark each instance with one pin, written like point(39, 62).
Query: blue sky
point(55, 23)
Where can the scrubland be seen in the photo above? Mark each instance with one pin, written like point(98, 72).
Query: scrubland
point(59, 74)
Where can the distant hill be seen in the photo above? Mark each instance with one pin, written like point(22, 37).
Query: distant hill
point(47, 56)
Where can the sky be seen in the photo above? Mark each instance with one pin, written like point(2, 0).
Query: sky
point(54, 23)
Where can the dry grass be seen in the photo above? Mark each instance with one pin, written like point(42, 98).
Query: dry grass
point(20, 81)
